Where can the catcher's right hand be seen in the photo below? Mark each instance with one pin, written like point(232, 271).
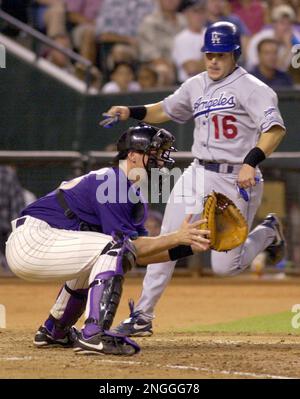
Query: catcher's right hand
point(114, 115)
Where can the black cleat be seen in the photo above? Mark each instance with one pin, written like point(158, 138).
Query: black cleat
point(105, 343)
point(44, 339)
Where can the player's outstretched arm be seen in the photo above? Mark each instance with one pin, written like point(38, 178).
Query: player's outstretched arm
point(150, 113)
point(164, 256)
point(154, 249)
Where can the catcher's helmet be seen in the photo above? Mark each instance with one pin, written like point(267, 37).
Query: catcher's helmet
point(145, 138)
point(222, 37)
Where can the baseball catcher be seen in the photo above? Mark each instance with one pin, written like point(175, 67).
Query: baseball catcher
point(89, 233)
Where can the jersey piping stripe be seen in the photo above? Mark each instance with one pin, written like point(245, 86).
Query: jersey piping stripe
point(207, 111)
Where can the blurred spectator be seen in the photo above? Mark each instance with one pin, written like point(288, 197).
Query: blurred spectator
point(57, 57)
point(156, 36)
point(78, 70)
point(283, 30)
point(271, 4)
point(186, 53)
point(82, 15)
point(11, 202)
point(153, 223)
point(121, 53)
point(251, 12)
point(122, 80)
point(95, 76)
point(119, 20)
point(267, 70)
point(166, 74)
point(147, 77)
point(50, 16)
point(219, 10)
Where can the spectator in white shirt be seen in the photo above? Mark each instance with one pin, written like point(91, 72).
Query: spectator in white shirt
point(186, 52)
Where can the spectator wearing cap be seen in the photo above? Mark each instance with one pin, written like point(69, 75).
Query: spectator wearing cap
point(266, 70)
point(251, 12)
point(121, 80)
point(82, 15)
point(156, 36)
point(186, 54)
point(283, 30)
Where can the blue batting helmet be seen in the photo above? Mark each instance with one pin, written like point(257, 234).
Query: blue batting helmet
point(222, 37)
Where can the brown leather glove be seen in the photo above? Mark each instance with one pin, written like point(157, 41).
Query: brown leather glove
point(228, 227)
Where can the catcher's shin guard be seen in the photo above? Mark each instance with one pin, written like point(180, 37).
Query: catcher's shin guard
point(74, 308)
point(106, 289)
point(105, 294)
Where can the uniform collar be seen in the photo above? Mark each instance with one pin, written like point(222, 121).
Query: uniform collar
point(232, 76)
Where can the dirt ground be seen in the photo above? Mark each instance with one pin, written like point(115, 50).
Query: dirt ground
point(169, 353)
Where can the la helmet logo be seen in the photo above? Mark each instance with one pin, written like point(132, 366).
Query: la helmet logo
point(215, 38)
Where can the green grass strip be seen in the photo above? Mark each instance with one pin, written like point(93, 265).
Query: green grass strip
point(271, 323)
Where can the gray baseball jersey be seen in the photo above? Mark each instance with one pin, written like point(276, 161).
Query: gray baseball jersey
point(230, 114)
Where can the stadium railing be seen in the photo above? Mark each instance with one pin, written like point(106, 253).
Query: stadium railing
point(39, 37)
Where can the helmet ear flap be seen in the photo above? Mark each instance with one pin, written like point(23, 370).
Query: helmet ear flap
point(237, 54)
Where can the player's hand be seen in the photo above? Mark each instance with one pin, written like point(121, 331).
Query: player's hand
point(118, 110)
point(190, 234)
point(246, 177)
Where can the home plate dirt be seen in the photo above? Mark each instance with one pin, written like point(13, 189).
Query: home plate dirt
point(178, 349)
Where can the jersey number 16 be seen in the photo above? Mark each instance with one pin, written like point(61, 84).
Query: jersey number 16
point(229, 130)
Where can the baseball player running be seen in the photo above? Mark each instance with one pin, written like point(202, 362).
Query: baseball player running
point(237, 125)
point(89, 232)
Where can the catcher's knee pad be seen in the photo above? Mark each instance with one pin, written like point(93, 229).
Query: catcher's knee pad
point(105, 295)
point(124, 251)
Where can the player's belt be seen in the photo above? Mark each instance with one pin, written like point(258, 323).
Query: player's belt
point(216, 167)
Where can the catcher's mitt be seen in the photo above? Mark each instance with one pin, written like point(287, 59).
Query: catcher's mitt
point(228, 227)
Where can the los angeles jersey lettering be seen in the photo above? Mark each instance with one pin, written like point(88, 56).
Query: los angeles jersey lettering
point(229, 114)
